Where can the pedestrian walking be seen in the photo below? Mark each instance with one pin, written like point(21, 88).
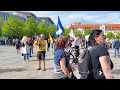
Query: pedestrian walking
point(116, 46)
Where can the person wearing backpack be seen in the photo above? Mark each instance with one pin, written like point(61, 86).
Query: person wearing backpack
point(62, 69)
point(100, 65)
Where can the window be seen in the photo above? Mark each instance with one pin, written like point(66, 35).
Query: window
point(108, 28)
point(5, 17)
point(28, 16)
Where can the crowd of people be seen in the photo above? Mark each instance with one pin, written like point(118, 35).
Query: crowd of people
point(63, 68)
point(100, 63)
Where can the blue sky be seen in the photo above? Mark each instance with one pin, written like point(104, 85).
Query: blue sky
point(85, 17)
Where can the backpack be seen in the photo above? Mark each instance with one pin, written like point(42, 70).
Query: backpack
point(85, 68)
point(83, 63)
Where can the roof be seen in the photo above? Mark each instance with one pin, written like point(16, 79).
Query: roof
point(108, 26)
point(19, 13)
point(43, 18)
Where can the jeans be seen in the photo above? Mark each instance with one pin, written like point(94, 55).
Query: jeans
point(117, 53)
point(26, 56)
point(31, 50)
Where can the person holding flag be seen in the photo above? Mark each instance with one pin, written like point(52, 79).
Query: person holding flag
point(52, 41)
point(60, 29)
point(49, 41)
point(51, 37)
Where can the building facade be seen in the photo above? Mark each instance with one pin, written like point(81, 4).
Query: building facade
point(47, 20)
point(105, 27)
point(6, 15)
point(24, 15)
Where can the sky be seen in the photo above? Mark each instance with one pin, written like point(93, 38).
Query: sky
point(84, 17)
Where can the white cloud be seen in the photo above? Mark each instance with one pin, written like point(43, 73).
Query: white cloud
point(69, 17)
point(80, 18)
point(112, 18)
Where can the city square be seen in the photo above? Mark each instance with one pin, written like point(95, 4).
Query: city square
point(33, 44)
point(12, 65)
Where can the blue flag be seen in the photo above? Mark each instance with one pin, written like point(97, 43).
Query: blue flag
point(60, 28)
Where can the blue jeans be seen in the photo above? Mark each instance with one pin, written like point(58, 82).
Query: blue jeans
point(31, 50)
point(26, 56)
point(117, 53)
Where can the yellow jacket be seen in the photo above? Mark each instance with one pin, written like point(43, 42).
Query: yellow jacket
point(42, 47)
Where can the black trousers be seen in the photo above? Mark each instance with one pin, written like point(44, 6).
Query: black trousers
point(76, 54)
point(77, 51)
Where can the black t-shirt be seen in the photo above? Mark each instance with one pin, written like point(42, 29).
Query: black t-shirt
point(96, 52)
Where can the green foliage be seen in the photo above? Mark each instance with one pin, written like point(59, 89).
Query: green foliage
point(82, 35)
point(42, 29)
point(66, 32)
point(1, 21)
point(78, 33)
point(118, 35)
point(1, 24)
point(52, 30)
point(30, 27)
point(110, 36)
point(87, 32)
point(13, 27)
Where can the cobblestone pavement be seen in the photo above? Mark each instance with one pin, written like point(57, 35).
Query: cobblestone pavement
point(12, 65)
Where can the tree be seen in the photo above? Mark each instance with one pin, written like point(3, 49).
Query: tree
point(30, 27)
point(1, 24)
point(87, 31)
point(76, 32)
point(13, 27)
point(110, 35)
point(118, 35)
point(42, 29)
point(66, 32)
point(52, 29)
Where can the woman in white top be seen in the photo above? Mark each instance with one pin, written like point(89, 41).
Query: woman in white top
point(25, 50)
point(76, 45)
